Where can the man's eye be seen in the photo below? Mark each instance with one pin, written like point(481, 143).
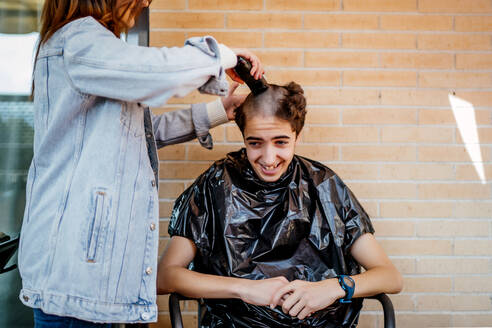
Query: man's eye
point(281, 142)
point(253, 144)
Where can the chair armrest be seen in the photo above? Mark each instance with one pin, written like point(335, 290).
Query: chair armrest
point(175, 310)
point(388, 310)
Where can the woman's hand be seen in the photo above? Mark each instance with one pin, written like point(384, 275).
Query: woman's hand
point(260, 292)
point(232, 101)
point(302, 298)
point(257, 70)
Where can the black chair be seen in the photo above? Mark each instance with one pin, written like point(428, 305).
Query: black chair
point(177, 321)
point(8, 246)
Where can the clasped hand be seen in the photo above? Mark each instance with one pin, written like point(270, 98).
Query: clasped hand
point(297, 298)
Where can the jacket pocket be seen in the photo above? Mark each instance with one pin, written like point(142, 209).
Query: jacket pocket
point(96, 225)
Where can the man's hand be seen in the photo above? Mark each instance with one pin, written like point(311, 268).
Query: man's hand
point(302, 298)
point(232, 101)
point(260, 292)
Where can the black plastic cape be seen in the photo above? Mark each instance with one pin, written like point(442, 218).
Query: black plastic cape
point(299, 227)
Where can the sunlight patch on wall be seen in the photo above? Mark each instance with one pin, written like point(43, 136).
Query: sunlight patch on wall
point(464, 114)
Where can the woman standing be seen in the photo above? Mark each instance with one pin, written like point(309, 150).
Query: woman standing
point(90, 234)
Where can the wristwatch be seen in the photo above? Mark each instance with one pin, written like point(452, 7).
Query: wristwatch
point(348, 285)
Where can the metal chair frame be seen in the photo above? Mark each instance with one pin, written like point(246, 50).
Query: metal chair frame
point(177, 320)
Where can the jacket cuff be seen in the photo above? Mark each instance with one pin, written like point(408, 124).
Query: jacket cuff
point(228, 58)
point(216, 113)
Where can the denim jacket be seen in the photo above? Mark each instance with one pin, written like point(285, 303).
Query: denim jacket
point(90, 233)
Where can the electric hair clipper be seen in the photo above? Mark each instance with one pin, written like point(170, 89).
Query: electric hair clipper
point(243, 69)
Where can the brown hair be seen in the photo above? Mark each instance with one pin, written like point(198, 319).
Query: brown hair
point(285, 102)
point(58, 13)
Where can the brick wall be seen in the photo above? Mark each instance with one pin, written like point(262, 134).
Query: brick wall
point(377, 74)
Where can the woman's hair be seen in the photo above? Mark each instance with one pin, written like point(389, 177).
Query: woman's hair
point(58, 13)
point(285, 102)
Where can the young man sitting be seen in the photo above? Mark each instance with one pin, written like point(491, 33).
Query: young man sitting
point(275, 239)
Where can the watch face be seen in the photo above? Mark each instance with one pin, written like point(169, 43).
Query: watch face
point(349, 282)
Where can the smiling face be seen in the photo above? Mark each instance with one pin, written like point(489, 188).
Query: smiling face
point(270, 146)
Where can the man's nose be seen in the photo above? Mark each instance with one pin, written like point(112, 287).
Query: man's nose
point(269, 156)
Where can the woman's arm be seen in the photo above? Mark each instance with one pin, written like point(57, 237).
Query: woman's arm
point(301, 298)
point(173, 276)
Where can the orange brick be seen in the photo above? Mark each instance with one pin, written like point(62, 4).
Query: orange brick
point(186, 20)
point(340, 134)
point(448, 228)
point(473, 23)
point(263, 21)
point(323, 96)
point(163, 228)
point(322, 115)
point(168, 4)
point(173, 152)
point(218, 133)
point(198, 153)
point(427, 285)
point(453, 303)
point(367, 320)
point(454, 191)
point(163, 303)
point(452, 265)
point(191, 98)
point(419, 247)
point(184, 170)
point(234, 39)
point(405, 266)
point(400, 302)
point(304, 77)
point(417, 172)
point(415, 209)
point(369, 190)
point(416, 22)
point(379, 41)
point(165, 208)
point(379, 153)
point(167, 39)
point(477, 284)
point(380, 78)
point(413, 97)
point(162, 245)
point(455, 80)
point(317, 5)
point(225, 4)
point(170, 189)
point(341, 21)
point(445, 116)
point(392, 228)
point(453, 42)
point(472, 320)
point(371, 207)
point(420, 135)
point(416, 60)
point(474, 247)
point(318, 152)
point(448, 154)
point(379, 116)
point(469, 172)
point(189, 320)
point(233, 134)
point(301, 40)
point(379, 5)
point(484, 136)
point(477, 98)
point(455, 6)
point(340, 59)
point(473, 210)
point(424, 320)
point(355, 171)
point(280, 58)
point(473, 61)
